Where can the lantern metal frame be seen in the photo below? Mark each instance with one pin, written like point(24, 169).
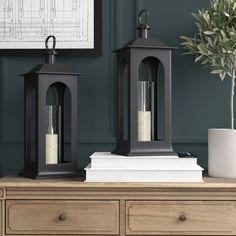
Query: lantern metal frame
point(40, 79)
point(134, 53)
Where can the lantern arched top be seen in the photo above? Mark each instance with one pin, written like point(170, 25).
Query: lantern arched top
point(58, 84)
point(56, 90)
point(148, 65)
point(151, 60)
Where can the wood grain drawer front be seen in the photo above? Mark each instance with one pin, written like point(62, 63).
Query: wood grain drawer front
point(1, 218)
point(62, 217)
point(181, 217)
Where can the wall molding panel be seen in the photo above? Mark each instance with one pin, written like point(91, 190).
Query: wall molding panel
point(11, 129)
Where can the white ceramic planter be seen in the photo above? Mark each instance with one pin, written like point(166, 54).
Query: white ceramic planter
point(222, 153)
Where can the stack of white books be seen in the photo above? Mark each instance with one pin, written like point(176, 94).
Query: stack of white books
point(108, 167)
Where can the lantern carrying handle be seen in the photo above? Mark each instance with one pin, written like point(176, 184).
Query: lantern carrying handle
point(50, 52)
point(143, 27)
point(146, 12)
point(54, 42)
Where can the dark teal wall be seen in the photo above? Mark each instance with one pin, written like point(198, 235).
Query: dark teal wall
point(199, 99)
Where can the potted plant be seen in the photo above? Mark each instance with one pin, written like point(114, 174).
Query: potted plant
point(214, 45)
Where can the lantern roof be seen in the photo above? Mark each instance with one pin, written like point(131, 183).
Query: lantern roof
point(51, 69)
point(146, 43)
point(143, 41)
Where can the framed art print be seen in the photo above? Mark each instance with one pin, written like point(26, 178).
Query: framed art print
point(25, 24)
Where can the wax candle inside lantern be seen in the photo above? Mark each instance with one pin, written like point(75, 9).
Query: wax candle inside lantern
point(145, 110)
point(51, 144)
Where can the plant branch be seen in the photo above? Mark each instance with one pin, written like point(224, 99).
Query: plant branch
point(214, 43)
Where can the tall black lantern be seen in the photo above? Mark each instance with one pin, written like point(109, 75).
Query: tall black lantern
point(144, 95)
point(50, 119)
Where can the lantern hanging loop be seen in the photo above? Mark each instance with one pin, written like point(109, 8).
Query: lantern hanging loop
point(146, 12)
point(54, 42)
point(50, 52)
point(143, 27)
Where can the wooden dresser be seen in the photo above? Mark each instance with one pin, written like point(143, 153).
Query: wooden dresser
point(70, 207)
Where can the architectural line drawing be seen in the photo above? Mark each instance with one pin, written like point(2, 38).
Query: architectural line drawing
point(26, 23)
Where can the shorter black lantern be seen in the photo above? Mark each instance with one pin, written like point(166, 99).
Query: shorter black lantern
point(144, 95)
point(50, 119)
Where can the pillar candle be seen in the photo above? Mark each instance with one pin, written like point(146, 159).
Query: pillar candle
point(144, 125)
point(51, 149)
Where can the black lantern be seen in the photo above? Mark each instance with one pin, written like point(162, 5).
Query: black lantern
point(144, 95)
point(50, 119)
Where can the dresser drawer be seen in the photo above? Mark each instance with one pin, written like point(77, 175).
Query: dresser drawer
point(181, 217)
point(1, 218)
point(62, 217)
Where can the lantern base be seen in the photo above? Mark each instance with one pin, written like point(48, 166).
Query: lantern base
point(52, 175)
point(121, 150)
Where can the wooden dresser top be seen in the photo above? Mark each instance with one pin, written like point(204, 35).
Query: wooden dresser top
point(17, 181)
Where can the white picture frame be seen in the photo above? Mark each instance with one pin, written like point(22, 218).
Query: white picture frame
point(25, 24)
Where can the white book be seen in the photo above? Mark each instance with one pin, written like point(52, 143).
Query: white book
point(193, 174)
point(109, 160)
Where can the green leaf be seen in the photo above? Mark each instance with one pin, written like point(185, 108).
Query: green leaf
point(186, 38)
point(210, 41)
point(208, 32)
point(205, 61)
point(202, 49)
point(234, 6)
point(224, 50)
point(226, 14)
point(217, 71)
point(206, 17)
point(223, 34)
point(198, 58)
point(222, 75)
point(232, 33)
point(214, 42)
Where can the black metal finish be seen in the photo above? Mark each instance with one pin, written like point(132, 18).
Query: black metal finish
point(36, 83)
point(143, 28)
point(151, 52)
point(50, 53)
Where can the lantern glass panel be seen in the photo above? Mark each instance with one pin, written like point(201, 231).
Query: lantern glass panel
point(151, 100)
point(52, 144)
point(57, 132)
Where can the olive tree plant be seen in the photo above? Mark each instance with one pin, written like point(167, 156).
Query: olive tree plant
point(214, 44)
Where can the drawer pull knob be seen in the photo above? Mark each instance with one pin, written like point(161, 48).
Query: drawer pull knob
point(182, 218)
point(62, 217)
